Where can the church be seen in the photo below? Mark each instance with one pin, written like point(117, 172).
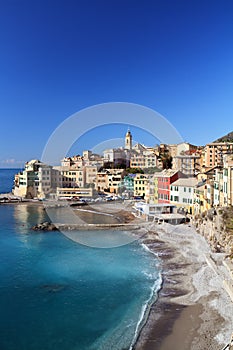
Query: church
point(130, 155)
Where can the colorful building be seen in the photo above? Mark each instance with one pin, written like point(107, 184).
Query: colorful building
point(140, 183)
point(165, 179)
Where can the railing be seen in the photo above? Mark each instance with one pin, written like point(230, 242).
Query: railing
point(230, 345)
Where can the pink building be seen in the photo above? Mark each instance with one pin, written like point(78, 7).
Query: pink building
point(165, 179)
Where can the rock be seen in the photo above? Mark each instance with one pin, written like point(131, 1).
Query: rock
point(44, 226)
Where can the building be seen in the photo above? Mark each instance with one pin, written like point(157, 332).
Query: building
point(228, 167)
point(165, 179)
point(128, 140)
point(199, 197)
point(140, 183)
point(87, 159)
point(90, 175)
point(109, 180)
point(36, 180)
point(127, 185)
point(188, 163)
point(182, 193)
point(215, 151)
point(72, 176)
point(115, 156)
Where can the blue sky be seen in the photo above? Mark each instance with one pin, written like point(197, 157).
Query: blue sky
point(58, 57)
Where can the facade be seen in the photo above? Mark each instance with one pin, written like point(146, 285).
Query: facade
point(228, 166)
point(101, 181)
point(109, 180)
point(137, 161)
point(116, 156)
point(90, 175)
point(165, 179)
point(127, 185)
point(199, 197)
point(140, 183)
point(185, 147)
point(88, 158)
point(214, 153)
point(149, 192)
point(72, 176)
point(144, 159)
point(182, 193)
point(114, 180)
point(36, 180)
point(128, 141)
point(188, 164)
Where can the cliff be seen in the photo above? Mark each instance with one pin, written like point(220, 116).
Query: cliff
point(216, 225)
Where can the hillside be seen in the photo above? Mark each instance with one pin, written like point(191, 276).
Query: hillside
point(226, 138)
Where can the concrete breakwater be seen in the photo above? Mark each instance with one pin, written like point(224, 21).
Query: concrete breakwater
point(48, 226)
point(89, 227)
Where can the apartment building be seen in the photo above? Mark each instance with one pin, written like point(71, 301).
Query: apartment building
point(36, 180)
point(109, 180)
point(90, 174)
point(215, 151)
point(140, 183)
point(165, 179)
point(188, 163)
point(72, 176)
point(182, 193)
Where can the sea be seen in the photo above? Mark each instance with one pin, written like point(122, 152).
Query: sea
point(57, 294)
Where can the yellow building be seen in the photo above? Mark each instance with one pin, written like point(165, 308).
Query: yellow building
point(140, 183)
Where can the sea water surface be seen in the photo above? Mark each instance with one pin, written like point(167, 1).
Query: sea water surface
point(56, 294)
point(7, 179)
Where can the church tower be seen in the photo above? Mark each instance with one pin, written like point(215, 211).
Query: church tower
point(128, 140)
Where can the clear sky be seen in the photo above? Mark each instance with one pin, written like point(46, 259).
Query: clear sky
point(60, 56)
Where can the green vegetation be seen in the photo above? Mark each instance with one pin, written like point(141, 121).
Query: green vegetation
point(226, 138)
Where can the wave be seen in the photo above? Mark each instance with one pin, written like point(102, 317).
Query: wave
point(94, 212)
point(149, 302)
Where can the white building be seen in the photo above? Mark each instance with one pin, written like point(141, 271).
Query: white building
point(182, 193)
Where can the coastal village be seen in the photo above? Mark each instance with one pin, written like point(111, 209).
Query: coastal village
point(178, 183)
point(192, 178)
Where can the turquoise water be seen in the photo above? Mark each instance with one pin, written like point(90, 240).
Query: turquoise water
point(56, 294)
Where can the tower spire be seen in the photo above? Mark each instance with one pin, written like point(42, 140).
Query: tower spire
point(128, 140)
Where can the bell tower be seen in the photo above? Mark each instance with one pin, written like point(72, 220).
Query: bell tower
point(128, 140)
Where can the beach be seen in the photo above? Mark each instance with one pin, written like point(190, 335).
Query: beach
point(193, 310)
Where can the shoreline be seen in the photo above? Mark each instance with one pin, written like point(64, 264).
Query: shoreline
point(192, 311)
